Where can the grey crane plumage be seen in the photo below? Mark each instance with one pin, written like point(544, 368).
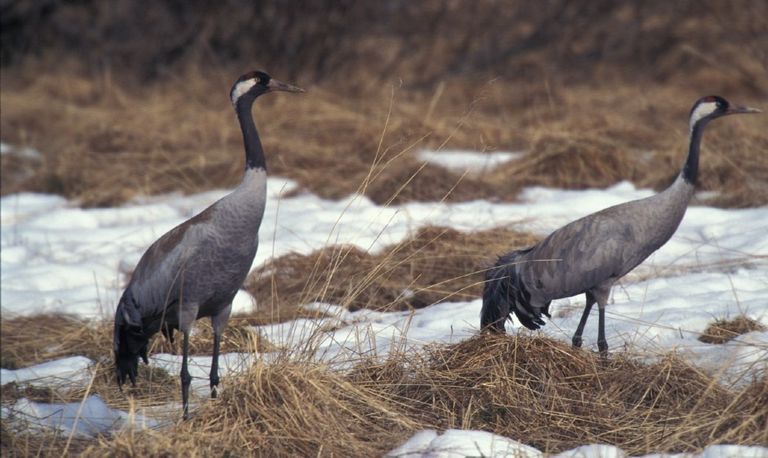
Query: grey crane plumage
point(590, 254)
point(195, 269)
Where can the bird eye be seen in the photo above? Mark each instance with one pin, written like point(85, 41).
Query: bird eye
point(721, 104)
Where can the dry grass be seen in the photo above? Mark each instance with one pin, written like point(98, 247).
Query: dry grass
point(721, 331)
point(104, 143)
point(13, 444)
point(433, 265)
point(553, 396)
point(36, 339)
point(557, 397)
point(32, 340)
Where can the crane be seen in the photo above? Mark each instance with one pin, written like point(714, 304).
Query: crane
point(590, 254)
point(196, 268)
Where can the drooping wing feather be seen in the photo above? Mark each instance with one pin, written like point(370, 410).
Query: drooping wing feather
point(498, 298)
point(504, 292)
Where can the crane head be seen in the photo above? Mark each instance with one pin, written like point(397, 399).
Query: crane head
point(713, 106)
point(255, 83)
point(130, 341)
point(130, 344)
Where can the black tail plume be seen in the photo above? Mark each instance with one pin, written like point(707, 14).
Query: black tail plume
point(497, 300)
point(504, 293)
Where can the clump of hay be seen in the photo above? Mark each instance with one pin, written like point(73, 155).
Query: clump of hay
point(721, 331)
point(434, 265)
point(409, 181)
point(279, 409)
point(33, 340)
point(574, 160)
point(557, 397)
point(11, 392)
point(36, 339)
point(534, 389)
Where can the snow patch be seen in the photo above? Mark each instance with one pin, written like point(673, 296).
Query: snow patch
point(86, 419)
point(472, 162)
point(69, 372)
point(462, 443)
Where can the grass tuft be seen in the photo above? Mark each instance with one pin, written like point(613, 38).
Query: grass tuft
point(530, 388)
point(104, 146)
point(721, 330)
point(435, 264)
point(550, 395)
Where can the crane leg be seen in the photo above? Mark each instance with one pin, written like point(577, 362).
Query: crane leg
point(602, 300)
point(186, 379)
point(580, 328)
point(602, 345)
point(218, 323)
point(215, 365)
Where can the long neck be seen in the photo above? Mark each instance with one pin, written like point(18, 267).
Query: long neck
point(254, 153)
point(691, 167)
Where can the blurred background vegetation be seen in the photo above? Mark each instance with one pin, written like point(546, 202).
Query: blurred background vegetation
point(126, 97)
point(422, 43)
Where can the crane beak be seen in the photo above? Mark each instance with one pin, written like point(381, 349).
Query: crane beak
point(275, 85)
point(742, 110)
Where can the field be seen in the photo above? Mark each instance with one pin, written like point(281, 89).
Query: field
point(124, 140)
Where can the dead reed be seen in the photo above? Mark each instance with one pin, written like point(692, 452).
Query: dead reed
point(544, 392)
point(435, 264)
point(104, 145)
point(721, 331)
point(535, 389)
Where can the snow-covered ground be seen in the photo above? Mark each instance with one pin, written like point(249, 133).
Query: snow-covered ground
point(471, 162)
point(58, 257)
point(456, 443)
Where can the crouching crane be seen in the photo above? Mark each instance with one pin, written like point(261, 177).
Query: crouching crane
point(590, 254)
point(195, 269)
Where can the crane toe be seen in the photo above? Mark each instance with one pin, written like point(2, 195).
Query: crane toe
point(602, 346)
point(214, 384)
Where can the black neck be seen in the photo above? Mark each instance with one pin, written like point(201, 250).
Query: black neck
point(691, 167)
point(254, 153)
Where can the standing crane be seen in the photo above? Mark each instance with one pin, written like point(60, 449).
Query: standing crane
point(590, 254)
point(196, 268)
